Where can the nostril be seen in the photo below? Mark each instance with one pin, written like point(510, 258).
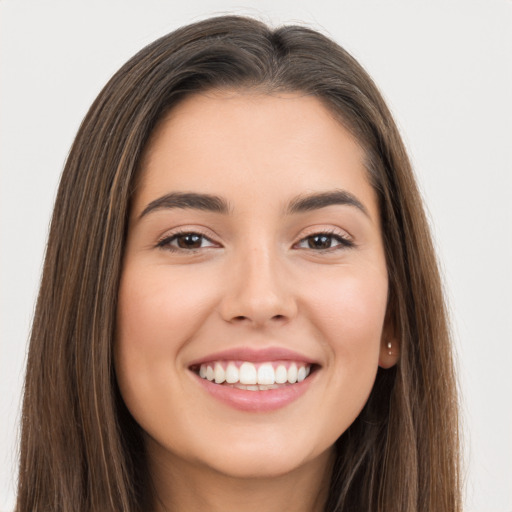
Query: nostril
point(241, 318)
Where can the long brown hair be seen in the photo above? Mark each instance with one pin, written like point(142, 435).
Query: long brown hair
point(80, 448)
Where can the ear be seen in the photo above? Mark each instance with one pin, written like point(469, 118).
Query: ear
point(389, 346)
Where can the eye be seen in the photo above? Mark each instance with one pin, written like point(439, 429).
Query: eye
point(324, 242)
point(185, 241)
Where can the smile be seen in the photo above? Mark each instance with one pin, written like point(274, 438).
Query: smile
point(254, 376)
point(255, 380)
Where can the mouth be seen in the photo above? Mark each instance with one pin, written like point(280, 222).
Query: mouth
point(255, 380)
point(254, 376)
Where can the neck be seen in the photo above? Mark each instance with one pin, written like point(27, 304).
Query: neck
point(180, 486)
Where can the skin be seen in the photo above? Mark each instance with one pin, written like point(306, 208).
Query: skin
point(253, 281)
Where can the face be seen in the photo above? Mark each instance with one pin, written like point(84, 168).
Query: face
point(254, 287)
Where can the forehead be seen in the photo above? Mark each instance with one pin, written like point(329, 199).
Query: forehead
point(229, 142)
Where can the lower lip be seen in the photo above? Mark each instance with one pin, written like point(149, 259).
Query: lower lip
point(256, 401)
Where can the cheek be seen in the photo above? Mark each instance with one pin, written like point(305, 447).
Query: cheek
point(349, 315)
point(350, 309)
point(157, 316)
point(159, 312)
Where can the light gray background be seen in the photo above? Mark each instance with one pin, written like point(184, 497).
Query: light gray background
point(445, 68)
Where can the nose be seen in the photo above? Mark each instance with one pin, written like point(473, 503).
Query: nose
point(257, 291)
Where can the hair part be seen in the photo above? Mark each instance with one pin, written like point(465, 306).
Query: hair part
point(80, 448)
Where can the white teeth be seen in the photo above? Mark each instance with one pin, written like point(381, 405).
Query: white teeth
point(292, 373)
point(231, 373)
point(254, 377)
point(281, 374)
point(220, 374)
point(266, 374)
point(248, 374)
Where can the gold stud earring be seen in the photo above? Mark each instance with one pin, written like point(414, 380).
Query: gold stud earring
point(389, 348)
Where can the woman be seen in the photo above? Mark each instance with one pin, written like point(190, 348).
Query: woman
point(240, 305)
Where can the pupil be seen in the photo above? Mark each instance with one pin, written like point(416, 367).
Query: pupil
point(190, 241)
point(320, 242)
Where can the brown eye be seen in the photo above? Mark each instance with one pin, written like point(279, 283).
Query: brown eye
point(189, 241)
point(185, 242)
point(320, 241)
point(324, 242)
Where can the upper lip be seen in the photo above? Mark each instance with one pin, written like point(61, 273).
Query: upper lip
point(254, 355)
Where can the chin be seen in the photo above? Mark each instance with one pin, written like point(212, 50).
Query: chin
point(261, 454)
point(259, 464)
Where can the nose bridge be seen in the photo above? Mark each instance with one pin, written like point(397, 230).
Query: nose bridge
point(257, 291)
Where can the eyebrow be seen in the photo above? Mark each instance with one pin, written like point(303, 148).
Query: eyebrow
point(319, 200)
point(205, 202)
point(217, 204)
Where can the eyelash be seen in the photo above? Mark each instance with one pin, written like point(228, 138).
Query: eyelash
point(343, 241)
point(165, 243)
